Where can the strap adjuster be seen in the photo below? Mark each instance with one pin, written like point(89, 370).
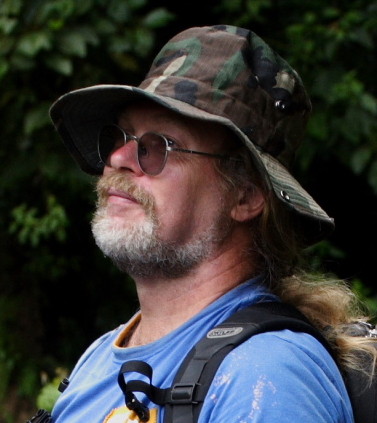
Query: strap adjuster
point(183, 393)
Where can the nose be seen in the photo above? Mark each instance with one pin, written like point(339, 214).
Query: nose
point(124, 158)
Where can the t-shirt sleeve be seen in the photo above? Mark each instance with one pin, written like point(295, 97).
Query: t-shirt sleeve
point(282, 377)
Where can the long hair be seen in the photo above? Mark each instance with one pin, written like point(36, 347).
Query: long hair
point(328, 303)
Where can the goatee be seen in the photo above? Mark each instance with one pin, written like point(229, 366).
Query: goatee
point(136, 248)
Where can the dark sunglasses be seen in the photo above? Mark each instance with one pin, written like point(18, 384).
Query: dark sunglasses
point(152, 148)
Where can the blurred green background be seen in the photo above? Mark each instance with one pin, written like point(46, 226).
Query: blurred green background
point(57, 291)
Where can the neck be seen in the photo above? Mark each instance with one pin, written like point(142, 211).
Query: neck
point(166, 304)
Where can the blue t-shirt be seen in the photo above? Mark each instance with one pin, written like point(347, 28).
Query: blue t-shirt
point(272, 377)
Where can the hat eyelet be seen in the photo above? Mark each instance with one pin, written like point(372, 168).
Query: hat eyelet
point(281, 105)
point(285, 195)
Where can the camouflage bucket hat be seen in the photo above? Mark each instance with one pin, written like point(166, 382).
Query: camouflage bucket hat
point(221, 74)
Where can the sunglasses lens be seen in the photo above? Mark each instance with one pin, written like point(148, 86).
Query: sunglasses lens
point(110, 139)
point(152, 153)
point(151, 148)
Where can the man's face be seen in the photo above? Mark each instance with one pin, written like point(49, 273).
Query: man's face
point(171, 222)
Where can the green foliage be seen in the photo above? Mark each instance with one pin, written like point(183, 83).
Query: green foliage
point(32, 230)
point(48, 396)
point(343, 89)
point(333, 47)
point(367, 296)
point(47, 48)
point(50, 393)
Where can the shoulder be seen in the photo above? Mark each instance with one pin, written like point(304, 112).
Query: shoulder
point(283, 376)
point(99, 350)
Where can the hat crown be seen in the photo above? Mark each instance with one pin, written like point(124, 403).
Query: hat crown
point(231, 72)
point(220, 74)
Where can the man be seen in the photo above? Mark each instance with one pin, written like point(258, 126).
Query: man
point(196, 203)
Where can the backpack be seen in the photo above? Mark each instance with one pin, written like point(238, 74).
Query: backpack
point(183, 401)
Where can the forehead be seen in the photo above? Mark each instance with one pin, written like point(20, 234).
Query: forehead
point(150, 116)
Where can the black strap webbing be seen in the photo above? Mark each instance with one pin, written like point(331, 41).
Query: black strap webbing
point(362, 391)
point(199, 368)
point(184, 399)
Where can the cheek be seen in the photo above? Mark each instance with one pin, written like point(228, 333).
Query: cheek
point(178, 215)
point(177, 208)
point(188, 203)
point(194, 207)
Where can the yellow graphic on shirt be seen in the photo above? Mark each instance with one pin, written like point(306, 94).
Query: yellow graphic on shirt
point(125, 415)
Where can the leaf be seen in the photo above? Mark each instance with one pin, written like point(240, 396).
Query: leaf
point(362, 37)
point(105, 27)
point(157, 18)
point(119, 11)
point(144, 41)
point(360, 159)
point(89, 34)
point(55, 10)
point(31, 43)
point(48, 396)
point(31, 229)
point(137, 4)
point(60, 64)
point(3, 68)
point(369, 103)
point(36, 118)
point(10, 7)
point(50, 391)
point(21, 62)
point(73, 43)
point(7, 24)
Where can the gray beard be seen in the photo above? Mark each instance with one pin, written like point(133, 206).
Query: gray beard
point(138, 251)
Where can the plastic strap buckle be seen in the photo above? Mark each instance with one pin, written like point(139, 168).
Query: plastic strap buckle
point(183, 393)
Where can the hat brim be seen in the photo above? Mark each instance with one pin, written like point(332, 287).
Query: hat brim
point(79, 115)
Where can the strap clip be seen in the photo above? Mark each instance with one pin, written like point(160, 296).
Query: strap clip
point(42, 416)
point(138, 407)
point(183, 393)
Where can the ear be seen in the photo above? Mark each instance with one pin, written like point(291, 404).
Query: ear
point(249, 205)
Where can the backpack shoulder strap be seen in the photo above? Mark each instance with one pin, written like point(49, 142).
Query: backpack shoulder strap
point(363, 391)
point(184, 400)
point(195, 375)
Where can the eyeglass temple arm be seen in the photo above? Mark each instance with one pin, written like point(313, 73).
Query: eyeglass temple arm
point(219, 156)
